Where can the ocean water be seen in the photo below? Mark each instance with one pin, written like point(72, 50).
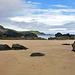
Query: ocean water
point(46, 36)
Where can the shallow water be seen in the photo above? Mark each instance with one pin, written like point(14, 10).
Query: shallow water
point(46, 36)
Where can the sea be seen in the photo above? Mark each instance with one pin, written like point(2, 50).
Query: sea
point(46, 36)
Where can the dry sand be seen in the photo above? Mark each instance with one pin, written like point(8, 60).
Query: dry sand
point(58, 59)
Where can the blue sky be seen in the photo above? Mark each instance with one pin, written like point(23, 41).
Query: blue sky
point(49, 16)
point(54, 2)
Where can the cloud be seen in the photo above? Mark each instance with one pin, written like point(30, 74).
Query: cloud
point(46, 16)
point(29, 2)
point(60, 5)
point(9, 7)
point(65, 28)
point(26, 26)
point(69, 26)
point(20, 15)
point(58, 29)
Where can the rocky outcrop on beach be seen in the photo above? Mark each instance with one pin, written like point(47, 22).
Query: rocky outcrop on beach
point(58, 34)
point(5, 47)
point(14, 47)
point(65, 35)
point(73, 46)
point(18, 47)
point(37, 54)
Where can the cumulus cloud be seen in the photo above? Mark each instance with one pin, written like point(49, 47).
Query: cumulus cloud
point(46, 16)
point(9, 7)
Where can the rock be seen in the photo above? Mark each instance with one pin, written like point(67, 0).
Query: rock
point(58, 34)
point(73, 45)
point(65, 44)
point(37, 54)
point(5, 47)
point(18, 47)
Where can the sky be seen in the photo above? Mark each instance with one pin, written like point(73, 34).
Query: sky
point(48, 16)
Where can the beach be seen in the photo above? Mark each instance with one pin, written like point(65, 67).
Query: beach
point(58, 60)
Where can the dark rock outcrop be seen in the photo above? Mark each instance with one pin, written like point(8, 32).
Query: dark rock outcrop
point(37, 54)
point(68, 35)
point(73, 46)
point(5, 47)
point(58, 34)
point(11, 33)
point(64, 35)
point(28, 34)
point(18, 47)
point(65, 44)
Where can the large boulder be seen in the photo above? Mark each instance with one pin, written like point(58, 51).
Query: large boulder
point(37, 54)
point(5, 47)
point(18, 47)
point(73, 46)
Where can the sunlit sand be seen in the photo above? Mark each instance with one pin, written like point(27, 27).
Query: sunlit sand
point(58, 59)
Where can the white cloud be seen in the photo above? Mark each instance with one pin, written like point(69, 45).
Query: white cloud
point(33, 2)
point(9, 7)
point(53, 19)
point(58, 29)
point(60, 5)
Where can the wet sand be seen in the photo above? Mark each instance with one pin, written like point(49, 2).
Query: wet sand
point(58, 59)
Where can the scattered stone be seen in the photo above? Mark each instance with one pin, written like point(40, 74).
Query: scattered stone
point(37, 54)
point(18, 47)
point(73, 45)
point(5, 47)
point(65, 44)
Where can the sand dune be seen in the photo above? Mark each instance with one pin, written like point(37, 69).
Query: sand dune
point(58, 59)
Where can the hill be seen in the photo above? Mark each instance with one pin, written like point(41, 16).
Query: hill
point(36, 32)
point(10, 33)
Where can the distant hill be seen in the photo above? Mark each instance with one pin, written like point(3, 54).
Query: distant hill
point(36, 32)
point(32, 31)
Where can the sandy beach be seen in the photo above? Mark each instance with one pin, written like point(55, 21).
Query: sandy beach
point(58, 59)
